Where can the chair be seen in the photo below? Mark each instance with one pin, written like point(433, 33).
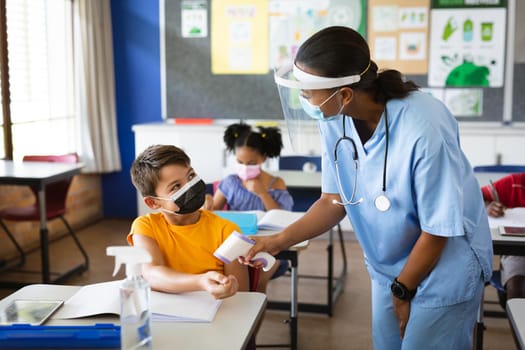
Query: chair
point(56, 194)
point(303, 199)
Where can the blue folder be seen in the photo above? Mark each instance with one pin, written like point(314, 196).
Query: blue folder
point(247, 222)
point(24, 336)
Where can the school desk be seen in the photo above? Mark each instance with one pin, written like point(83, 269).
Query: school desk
point(39, 174)
point(516, 313)
point(231, 328)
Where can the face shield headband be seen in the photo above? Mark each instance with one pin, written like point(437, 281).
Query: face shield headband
point(302, 129)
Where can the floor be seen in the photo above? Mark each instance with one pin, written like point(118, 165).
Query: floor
point(348, 328)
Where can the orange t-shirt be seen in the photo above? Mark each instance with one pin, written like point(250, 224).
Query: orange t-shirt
point(187, 248)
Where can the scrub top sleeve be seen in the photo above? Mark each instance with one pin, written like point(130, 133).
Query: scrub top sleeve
point(328, 176)
point(438, 172)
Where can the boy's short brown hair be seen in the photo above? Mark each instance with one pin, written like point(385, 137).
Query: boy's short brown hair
point(146, 167)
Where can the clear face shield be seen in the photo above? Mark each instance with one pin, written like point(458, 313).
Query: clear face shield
point(302, 127)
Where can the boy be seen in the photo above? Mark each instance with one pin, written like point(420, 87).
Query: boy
point(181, 238)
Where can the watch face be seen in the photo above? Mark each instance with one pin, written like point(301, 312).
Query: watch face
point(398, 291)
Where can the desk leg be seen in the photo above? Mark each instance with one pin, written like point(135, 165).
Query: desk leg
point(294, 303)
point(44, 244)
point(479, 328)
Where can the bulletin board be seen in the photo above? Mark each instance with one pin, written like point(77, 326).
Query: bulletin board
point(191, 90)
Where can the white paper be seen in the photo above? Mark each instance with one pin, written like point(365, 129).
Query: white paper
point(512, 217)
point(103, 298)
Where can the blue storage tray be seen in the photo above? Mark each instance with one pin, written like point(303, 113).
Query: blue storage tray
point(25, 336)
point(247, 222)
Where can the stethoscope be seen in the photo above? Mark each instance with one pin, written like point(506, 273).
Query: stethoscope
point(381, 202)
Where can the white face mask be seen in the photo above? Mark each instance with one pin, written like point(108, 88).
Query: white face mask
point(315, 112)
point(247, 172)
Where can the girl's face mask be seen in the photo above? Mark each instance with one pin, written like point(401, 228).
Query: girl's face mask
point(247, 172)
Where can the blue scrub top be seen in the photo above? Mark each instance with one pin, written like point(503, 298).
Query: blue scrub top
point(431, 187)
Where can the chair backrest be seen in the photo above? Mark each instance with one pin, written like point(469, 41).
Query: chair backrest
point(215, 187)
point(499, 169)
point(56, 193)
point(304, 163)
point(303, 198)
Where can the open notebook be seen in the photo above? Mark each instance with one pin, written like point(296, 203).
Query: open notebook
point(104, 298)
point(253, 220)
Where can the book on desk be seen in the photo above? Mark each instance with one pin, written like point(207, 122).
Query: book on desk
point(512, 231)
point(251, 221)
point(104, 298)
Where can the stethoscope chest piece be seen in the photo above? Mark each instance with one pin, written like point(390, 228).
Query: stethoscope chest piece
point(382, 202)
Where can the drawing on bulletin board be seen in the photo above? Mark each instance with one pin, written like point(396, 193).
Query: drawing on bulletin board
point(239, 40)
point(467, 45)
point(398, 34)
point(194, 19)
point(293, 21)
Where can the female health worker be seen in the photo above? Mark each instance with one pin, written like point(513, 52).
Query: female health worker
point(392, 163)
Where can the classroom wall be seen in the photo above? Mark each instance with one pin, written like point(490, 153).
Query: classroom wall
point(136, 47)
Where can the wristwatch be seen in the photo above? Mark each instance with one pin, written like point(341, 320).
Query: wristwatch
point(400, 291)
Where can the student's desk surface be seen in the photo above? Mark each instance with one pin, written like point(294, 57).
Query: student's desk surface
point(516, 313)
point(508, 245)
point(231, 328)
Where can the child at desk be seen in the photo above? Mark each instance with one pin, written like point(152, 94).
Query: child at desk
point(182, 237)
point(252, 188)
point(508, 192)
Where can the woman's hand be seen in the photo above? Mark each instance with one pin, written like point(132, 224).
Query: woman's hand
point(270, 244)
point(495, 209)
point(402, 312)
point(219, 285)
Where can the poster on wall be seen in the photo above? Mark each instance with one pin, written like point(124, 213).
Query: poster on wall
point(194, 19)
point(467, 43)
point(398, 34)
point(291, 22)
point(239, 40)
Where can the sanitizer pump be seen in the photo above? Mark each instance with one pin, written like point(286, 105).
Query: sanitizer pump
point(135, 314)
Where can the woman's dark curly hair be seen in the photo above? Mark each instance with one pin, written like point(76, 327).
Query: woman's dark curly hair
point(267, 141)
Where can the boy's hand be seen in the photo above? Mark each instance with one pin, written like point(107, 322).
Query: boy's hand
point(495, 209)
point(219, 285)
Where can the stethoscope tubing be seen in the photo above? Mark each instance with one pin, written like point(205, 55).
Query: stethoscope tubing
point(384, 199)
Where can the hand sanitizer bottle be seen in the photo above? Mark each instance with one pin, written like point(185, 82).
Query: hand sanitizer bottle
point(135, 314)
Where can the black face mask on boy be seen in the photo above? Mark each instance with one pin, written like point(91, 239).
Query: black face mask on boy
point(190, 197)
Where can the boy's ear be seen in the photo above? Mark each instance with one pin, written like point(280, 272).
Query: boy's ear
point(151, 203)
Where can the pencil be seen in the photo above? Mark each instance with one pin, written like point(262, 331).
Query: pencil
point(493, 190)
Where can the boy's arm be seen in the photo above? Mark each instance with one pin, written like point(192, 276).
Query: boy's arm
point(165, 279)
